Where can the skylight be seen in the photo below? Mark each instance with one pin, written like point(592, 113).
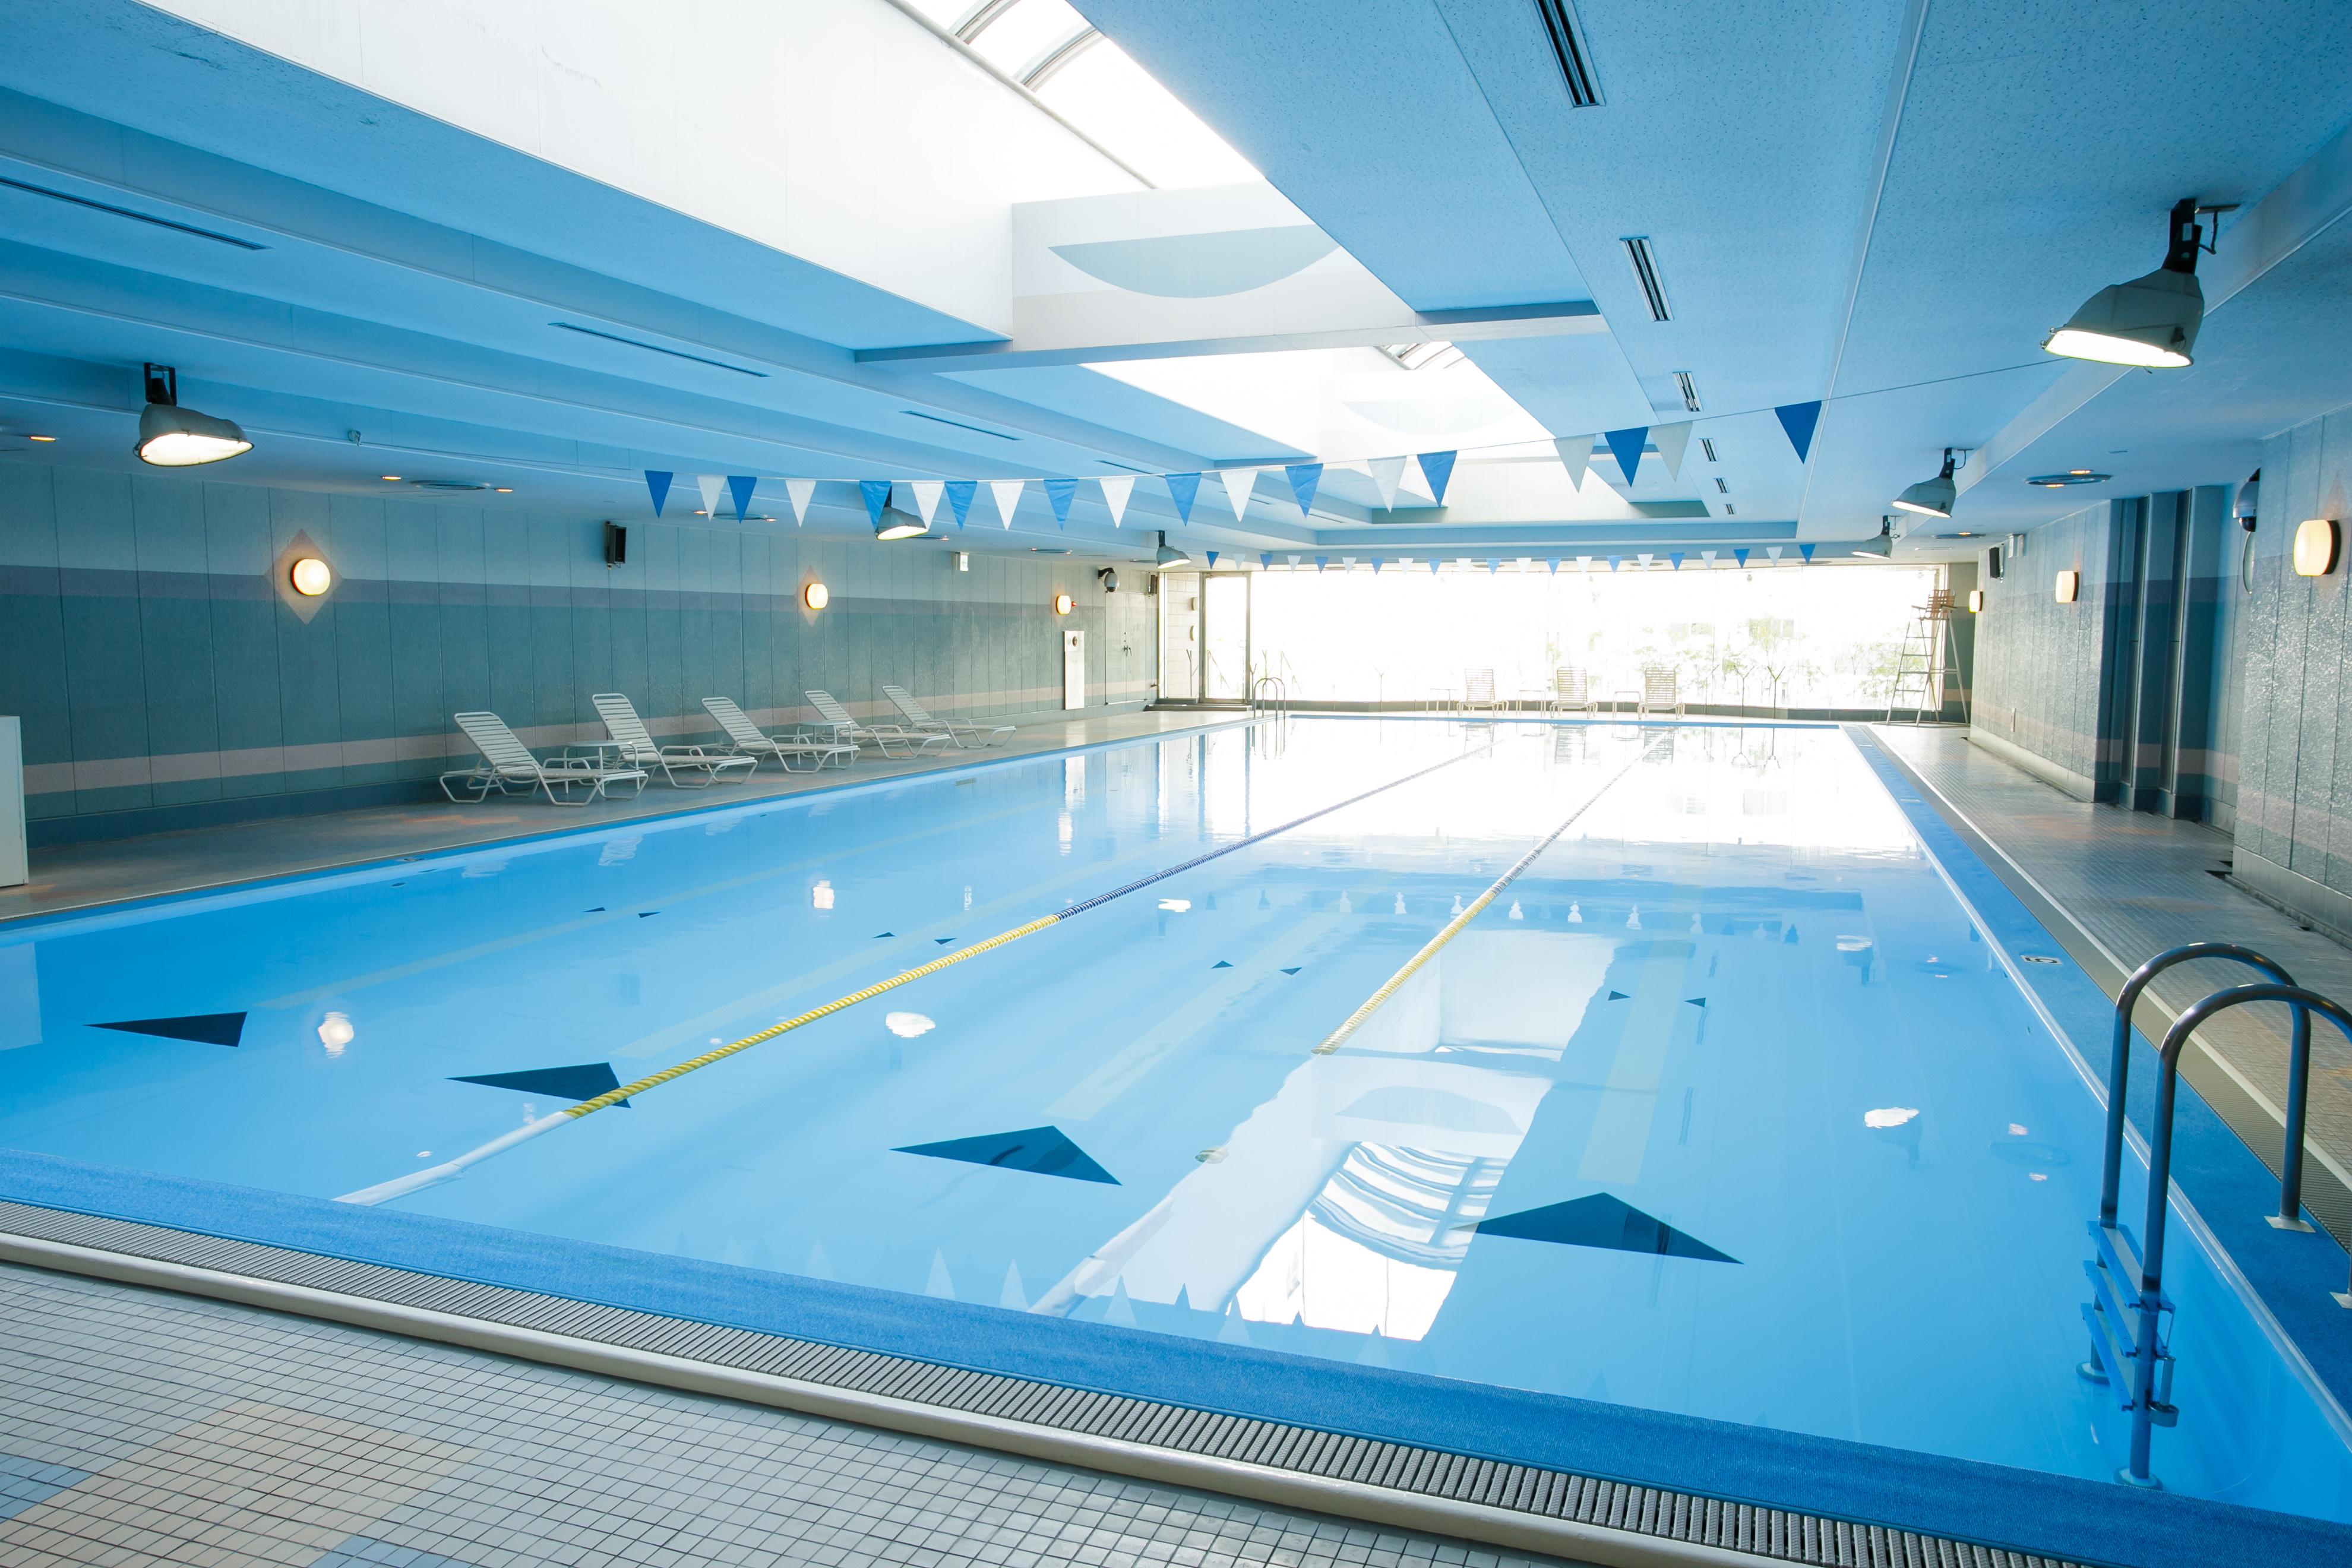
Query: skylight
point(1425, 356)
point(1056, 55)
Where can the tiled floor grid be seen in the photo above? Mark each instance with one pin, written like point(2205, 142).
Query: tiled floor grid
point(139, 1428)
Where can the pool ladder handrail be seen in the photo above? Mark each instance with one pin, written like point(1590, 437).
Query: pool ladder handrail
point(1261, 700)
point(2121, 1267)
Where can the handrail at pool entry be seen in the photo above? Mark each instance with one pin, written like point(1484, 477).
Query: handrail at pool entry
point(448, 1170)
point(2151, 1365)
point(2289, 1210)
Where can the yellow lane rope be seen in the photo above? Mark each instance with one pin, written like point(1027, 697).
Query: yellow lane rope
point(417, 1180)
point(1337, 1037)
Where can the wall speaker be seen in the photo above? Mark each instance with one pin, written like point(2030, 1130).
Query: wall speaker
point(616, 545)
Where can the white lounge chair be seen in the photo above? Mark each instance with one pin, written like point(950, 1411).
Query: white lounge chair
point(1478, 692)
point(636, 745)
point(882, 737)
point(1662, 691)
point(1571, 691)
point(508, 764)
point(924, 723)
point(749, 741)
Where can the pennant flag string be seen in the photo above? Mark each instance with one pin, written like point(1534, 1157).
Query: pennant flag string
point(927, 498)
point(876, 493)
point(740, 486)
point(1798, 420)
point(960, 494)
point(1008, 497)
point(1576, 457)
point(1626, 446)
point(1387, 474)
point(1672, 440)
point(711, 485)
point(657, 480)
point(1239, 483)
point(800, 492)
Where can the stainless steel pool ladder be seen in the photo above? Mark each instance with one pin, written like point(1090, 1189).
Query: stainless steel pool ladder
point(1269, 691)
point(2128, 1312)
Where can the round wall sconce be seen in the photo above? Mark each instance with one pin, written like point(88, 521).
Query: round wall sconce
point(311, 577)
point(2069, 584)
point(816, 596)
point(2317, 542)
point(1061, 604)
point(1976, 601)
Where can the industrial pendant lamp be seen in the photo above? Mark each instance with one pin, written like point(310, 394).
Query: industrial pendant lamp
point(896, 524)
point(2150, 321)
point(171, 436)
point(1169, 555)
point(1884, 545)
point(1932, 497)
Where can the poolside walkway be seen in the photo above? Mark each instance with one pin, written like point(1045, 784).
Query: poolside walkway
point(78, 876)
point(2119, 887)
point(139, 1428)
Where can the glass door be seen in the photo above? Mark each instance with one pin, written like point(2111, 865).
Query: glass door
point(1226, 637)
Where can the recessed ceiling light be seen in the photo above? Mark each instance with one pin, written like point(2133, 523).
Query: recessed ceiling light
point(40, 437)
point(392, 479)
point(506, 490)
point(2071, 477)
point(1045, 550)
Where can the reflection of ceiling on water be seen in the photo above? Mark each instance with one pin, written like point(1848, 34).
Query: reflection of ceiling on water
point(1377, 1248)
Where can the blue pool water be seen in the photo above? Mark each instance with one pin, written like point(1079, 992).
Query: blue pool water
point(1725, 1108)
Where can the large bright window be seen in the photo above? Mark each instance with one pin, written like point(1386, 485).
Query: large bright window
point(1779, 636)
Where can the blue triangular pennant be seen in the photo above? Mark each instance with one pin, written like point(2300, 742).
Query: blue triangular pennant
point(1183, 489)
point(1626, 446)
point(1553, 561)
point(878, 496)
point(1265, 559)
point(1492, 565)
point(1740, 555)
point(1212, 557)
point(1059, 494)
point(740, 487)
point(658, 482)
point(1614, 560)
point(1304, 478)
point(1676, 557)
point(1432, 566)
point(1799, 420)
point(1321, 561)
point(960, 494)
point(1437, 467)
point(1807, 552)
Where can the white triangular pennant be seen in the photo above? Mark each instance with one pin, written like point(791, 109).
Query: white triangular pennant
point(1115, 493)
point(1239, 482)
point(1773, 551)
point(1008, 497)
point(1673, 441)
point(1387, 474)
point(800, 492)
point(926, 497)
point(1576, 457)
point(712, 487)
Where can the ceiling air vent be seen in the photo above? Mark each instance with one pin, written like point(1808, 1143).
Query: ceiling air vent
point(1645, 273)
point(448, 485)
point(1708, 448)
point(1688, 388)
point(1569, 48)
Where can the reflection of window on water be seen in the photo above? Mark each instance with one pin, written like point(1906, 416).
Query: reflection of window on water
point(1377, 1248)
point(1783, 637)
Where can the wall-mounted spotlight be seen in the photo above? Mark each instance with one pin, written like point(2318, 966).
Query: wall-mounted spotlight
point(2069, 584)
point(1884, 545)
point(1932, 497)
point(1062, 604)
point(171, 436)
point(816, 596)
point(896, 524)
point(1976, 601)
point(1169, 555)
point(1108, 577)
point(2317, 542)
point(2150, 321)
point(311, 577)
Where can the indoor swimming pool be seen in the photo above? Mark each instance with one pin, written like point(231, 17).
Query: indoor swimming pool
point(1724, 1107)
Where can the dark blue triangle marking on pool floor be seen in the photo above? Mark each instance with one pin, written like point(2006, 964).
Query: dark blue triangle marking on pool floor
point(1294, 971)
point(1696, 1001)
point(203, 1028)
point(1221, 964)
point(1617, 996)
point(1042, 1151)
point(585, 1081)
point(1604, 1221)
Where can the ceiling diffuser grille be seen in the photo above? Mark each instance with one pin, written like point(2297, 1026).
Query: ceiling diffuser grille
point(1688, 388)
point(1569, 48)
point(1645, 273)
